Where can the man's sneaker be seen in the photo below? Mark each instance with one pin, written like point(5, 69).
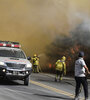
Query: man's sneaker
point(86, 99)
point(76, 98)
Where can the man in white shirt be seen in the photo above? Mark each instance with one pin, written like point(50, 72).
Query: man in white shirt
point(80, 77)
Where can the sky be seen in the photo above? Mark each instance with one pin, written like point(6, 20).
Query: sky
point(35, 23)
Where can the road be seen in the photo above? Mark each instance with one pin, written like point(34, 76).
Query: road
point(41, 87)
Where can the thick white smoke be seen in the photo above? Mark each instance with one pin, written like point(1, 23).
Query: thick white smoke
point(78, 15)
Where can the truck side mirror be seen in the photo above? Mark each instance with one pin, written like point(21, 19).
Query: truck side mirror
point(29, 58)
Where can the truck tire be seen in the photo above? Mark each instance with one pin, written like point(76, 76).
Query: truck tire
point(26, 81)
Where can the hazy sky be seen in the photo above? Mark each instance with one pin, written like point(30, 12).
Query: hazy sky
point(35, 23)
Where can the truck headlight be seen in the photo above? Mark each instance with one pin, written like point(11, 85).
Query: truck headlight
point(2, 63)
point(28, 65)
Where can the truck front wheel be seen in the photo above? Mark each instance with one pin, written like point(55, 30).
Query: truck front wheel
point(26, 81)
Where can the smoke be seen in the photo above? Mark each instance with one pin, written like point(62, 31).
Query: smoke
point(33, 23)
point(86, 24)
point(84, 19)
point(79, 21)
point(69, 46)
point(36, 23)
point(77, 40)
point(78, 12)
point(81, 32)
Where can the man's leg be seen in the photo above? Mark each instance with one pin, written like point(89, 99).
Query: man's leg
point(34, 68)
point(56, 77)
point(61, 75)
point(85, 86)
point(78, 83)
point(37, 69)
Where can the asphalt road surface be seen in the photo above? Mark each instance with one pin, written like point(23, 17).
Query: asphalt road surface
point(41, 87)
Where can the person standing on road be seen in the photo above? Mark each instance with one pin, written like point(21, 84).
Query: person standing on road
point(64, 65)
point(35, 60)
point(80, 76)
point(60, 68)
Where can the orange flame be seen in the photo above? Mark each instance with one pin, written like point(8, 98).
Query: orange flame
point(76, 48)
point(72, 51)
point(50, 65)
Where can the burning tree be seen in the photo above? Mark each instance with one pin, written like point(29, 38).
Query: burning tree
point(78, 40)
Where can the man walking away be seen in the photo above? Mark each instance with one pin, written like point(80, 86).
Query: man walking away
point(60, 68)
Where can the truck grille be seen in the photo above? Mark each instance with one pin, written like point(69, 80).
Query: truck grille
point(15, 66)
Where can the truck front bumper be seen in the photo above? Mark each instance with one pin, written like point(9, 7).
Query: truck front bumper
point(15, 74)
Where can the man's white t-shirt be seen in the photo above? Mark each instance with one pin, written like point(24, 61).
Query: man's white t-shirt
point(79, 67)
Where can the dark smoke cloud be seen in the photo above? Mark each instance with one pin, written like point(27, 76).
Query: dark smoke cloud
point(77, 40)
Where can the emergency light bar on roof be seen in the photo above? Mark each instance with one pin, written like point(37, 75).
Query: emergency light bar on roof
point(10, 44)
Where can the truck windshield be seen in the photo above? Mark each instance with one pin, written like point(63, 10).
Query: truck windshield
point(12, 53)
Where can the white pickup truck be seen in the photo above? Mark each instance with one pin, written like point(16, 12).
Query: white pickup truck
point(13, 62)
